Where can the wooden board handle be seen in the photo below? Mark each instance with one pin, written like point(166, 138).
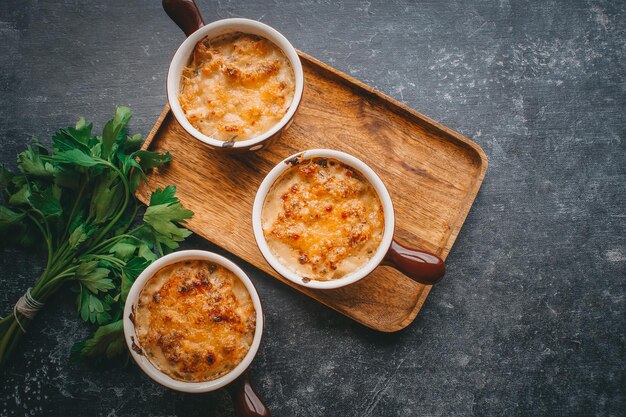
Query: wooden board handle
point(245, 399)
point(420, 266)
point(185, 14)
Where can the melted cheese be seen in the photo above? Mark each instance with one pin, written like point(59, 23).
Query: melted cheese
point(195, 321)
point(322, 219)
point(236, 87)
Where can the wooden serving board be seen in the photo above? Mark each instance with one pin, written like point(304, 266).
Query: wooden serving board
point(432, 173)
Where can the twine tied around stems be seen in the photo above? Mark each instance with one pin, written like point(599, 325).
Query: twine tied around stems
point(27, 306)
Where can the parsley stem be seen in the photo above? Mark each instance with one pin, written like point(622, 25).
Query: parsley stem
point(136, 229)
point(60, 278)
point(102, 233)
point(78, 201)
point(46, 236)
point(10, 340)
point(7, 337)
point(61, 258)
point(114, 239)
point(131, 219)
point(5, 320)
point(111, 259)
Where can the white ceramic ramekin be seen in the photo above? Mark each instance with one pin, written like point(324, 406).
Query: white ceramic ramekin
point(131, 336)
point(418, 265)
point(186, 15)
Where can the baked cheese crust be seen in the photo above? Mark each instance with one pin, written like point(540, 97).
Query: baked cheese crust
point(195, 321)
point(322, 219)
point(236, 86)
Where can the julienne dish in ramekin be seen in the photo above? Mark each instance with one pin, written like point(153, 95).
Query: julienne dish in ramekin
point(423, 267)
point(186, 15)
point(204, 288)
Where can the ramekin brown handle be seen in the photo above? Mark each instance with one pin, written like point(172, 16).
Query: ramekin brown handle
point(420, 266)
point(245, 399)
point(185, 14)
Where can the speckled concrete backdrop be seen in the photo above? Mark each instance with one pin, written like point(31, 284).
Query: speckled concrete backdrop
point(530, 319)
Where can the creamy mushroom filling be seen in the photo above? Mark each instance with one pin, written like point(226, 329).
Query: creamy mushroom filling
point(322, 219)
point(195, 321)
point(236, 87)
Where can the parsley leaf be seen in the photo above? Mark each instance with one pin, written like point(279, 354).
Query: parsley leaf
point(123, 250)
point(94, 278)
point(92, 308)
point(75, 157)
point(107, 342)
point(113, 128)
point(150, 160)
point(30, 162)
point(164, 212)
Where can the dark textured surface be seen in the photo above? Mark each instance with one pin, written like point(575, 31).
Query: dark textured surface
point(530, 318)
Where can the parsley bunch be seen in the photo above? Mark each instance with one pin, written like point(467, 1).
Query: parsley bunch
point(76, 201)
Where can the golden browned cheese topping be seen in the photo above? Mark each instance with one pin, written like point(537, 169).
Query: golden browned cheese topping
point(195, 321)
point(236, 87)
point(322, 219)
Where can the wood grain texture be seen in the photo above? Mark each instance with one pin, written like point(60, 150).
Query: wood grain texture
point(432, 173)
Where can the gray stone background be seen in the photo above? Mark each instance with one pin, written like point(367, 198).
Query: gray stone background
point(530, 318)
